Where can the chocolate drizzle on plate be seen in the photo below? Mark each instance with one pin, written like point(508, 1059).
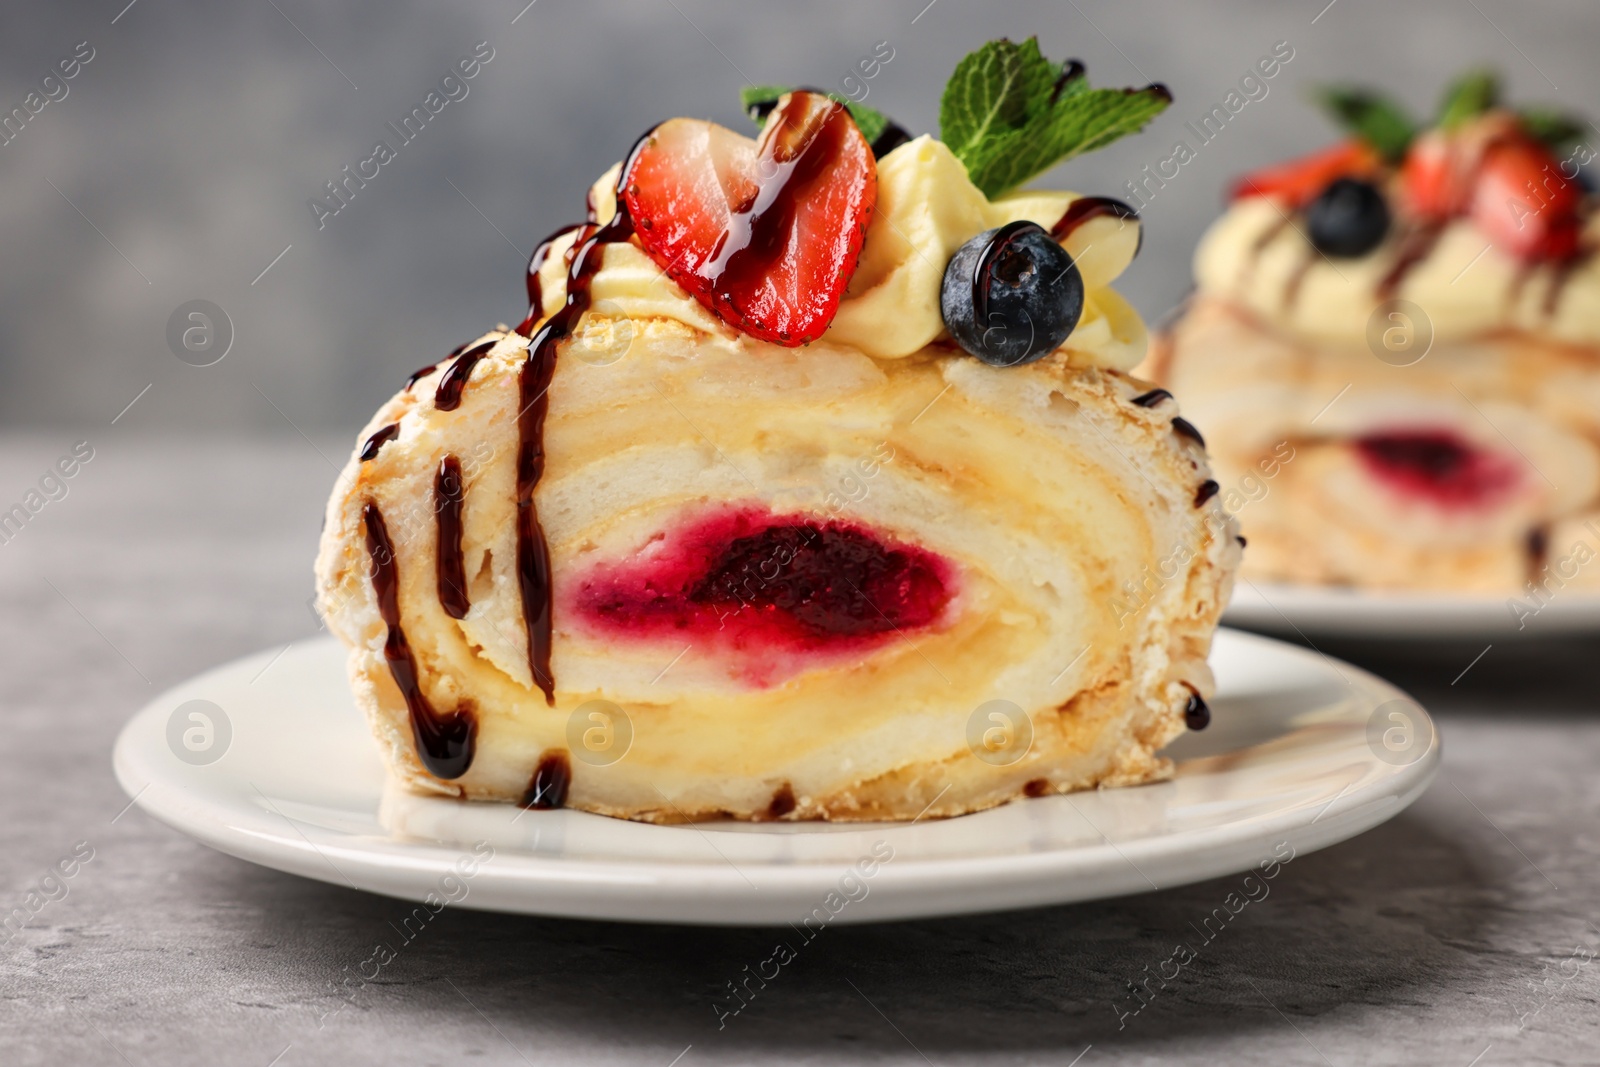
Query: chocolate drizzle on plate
point(375, 443)
point(449, 492)
point(533, 380)
point(1151, 399)
point(445, 743)
point(1196, 713)
point(547, 789)
point(448, 396)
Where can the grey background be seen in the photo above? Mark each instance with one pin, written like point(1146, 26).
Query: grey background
point(198, 133)
point(193, 140)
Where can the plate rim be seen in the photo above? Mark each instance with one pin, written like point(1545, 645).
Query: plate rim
point(1422, 614)
point(1205, 853)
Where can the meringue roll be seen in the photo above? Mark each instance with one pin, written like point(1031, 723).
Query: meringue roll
point(1398, 363)
point(650, 565)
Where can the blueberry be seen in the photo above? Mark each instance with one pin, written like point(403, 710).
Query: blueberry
point(1011, 295)
point(1348, 219)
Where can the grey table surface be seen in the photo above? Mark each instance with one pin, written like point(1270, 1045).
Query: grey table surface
point(1460, 933)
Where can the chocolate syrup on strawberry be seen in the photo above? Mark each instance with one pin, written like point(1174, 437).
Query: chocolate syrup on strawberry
point(448, 396)
point(533, 381)
point(1085, 208)
point(758, 231)
point(1151, 399)
point(547, 788)
point(369, 450)
point(445, 743)
point(449, 491)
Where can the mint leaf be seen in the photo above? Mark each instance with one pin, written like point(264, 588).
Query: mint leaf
point(758, 101)
point(1555, 128)
point(1009, 113)
point(1377, 120)
point(1470, 96)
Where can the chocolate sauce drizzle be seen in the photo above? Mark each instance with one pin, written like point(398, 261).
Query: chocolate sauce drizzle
point(892, 136)
point(758, 231)
point(783, 801)
point(541, 253)
point(1184, 428)
point(375, 443)
point(422, 372)
point(1415, 247)
point(533, 380)
point(547, 788)
point(1197, 713)
point(449, 492)
point(448, 396)
point(986, 261)
point(1207, 490)
point(1538, 547)
point(1086, 208)
point(1563, 274)
point(1151, 399)
point(445, 743)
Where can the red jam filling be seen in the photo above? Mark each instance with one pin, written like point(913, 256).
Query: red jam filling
point(1438, 466)
point(768, 585)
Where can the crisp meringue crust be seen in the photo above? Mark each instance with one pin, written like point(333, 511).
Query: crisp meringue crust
point(1088, 581)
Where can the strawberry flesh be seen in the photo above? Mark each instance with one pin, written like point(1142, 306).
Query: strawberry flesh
point(1299, 181)
point(1524, 202)
point(765, 234)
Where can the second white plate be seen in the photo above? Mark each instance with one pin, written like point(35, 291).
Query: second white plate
point(279, 769)
point(1311, 609)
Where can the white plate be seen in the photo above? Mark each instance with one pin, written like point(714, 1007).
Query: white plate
point(1313, 609)
point(1303, 751)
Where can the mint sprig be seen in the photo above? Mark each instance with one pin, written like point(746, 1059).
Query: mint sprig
point(758, 101)
point(1468, 97)
point(1375, 119)
point(1009, 113)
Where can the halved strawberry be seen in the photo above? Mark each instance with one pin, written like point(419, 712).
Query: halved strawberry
point(1524, 203)
point(1441, 167)
point(1300, 181)
point(765, 234)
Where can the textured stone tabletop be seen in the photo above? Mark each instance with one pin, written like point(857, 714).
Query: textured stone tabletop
point(1461, 933)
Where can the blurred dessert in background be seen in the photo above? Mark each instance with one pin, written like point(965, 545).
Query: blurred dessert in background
point(1394, 348)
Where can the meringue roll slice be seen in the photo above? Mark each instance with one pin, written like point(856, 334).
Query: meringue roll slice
point(717, 532)
point(1395, 348)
